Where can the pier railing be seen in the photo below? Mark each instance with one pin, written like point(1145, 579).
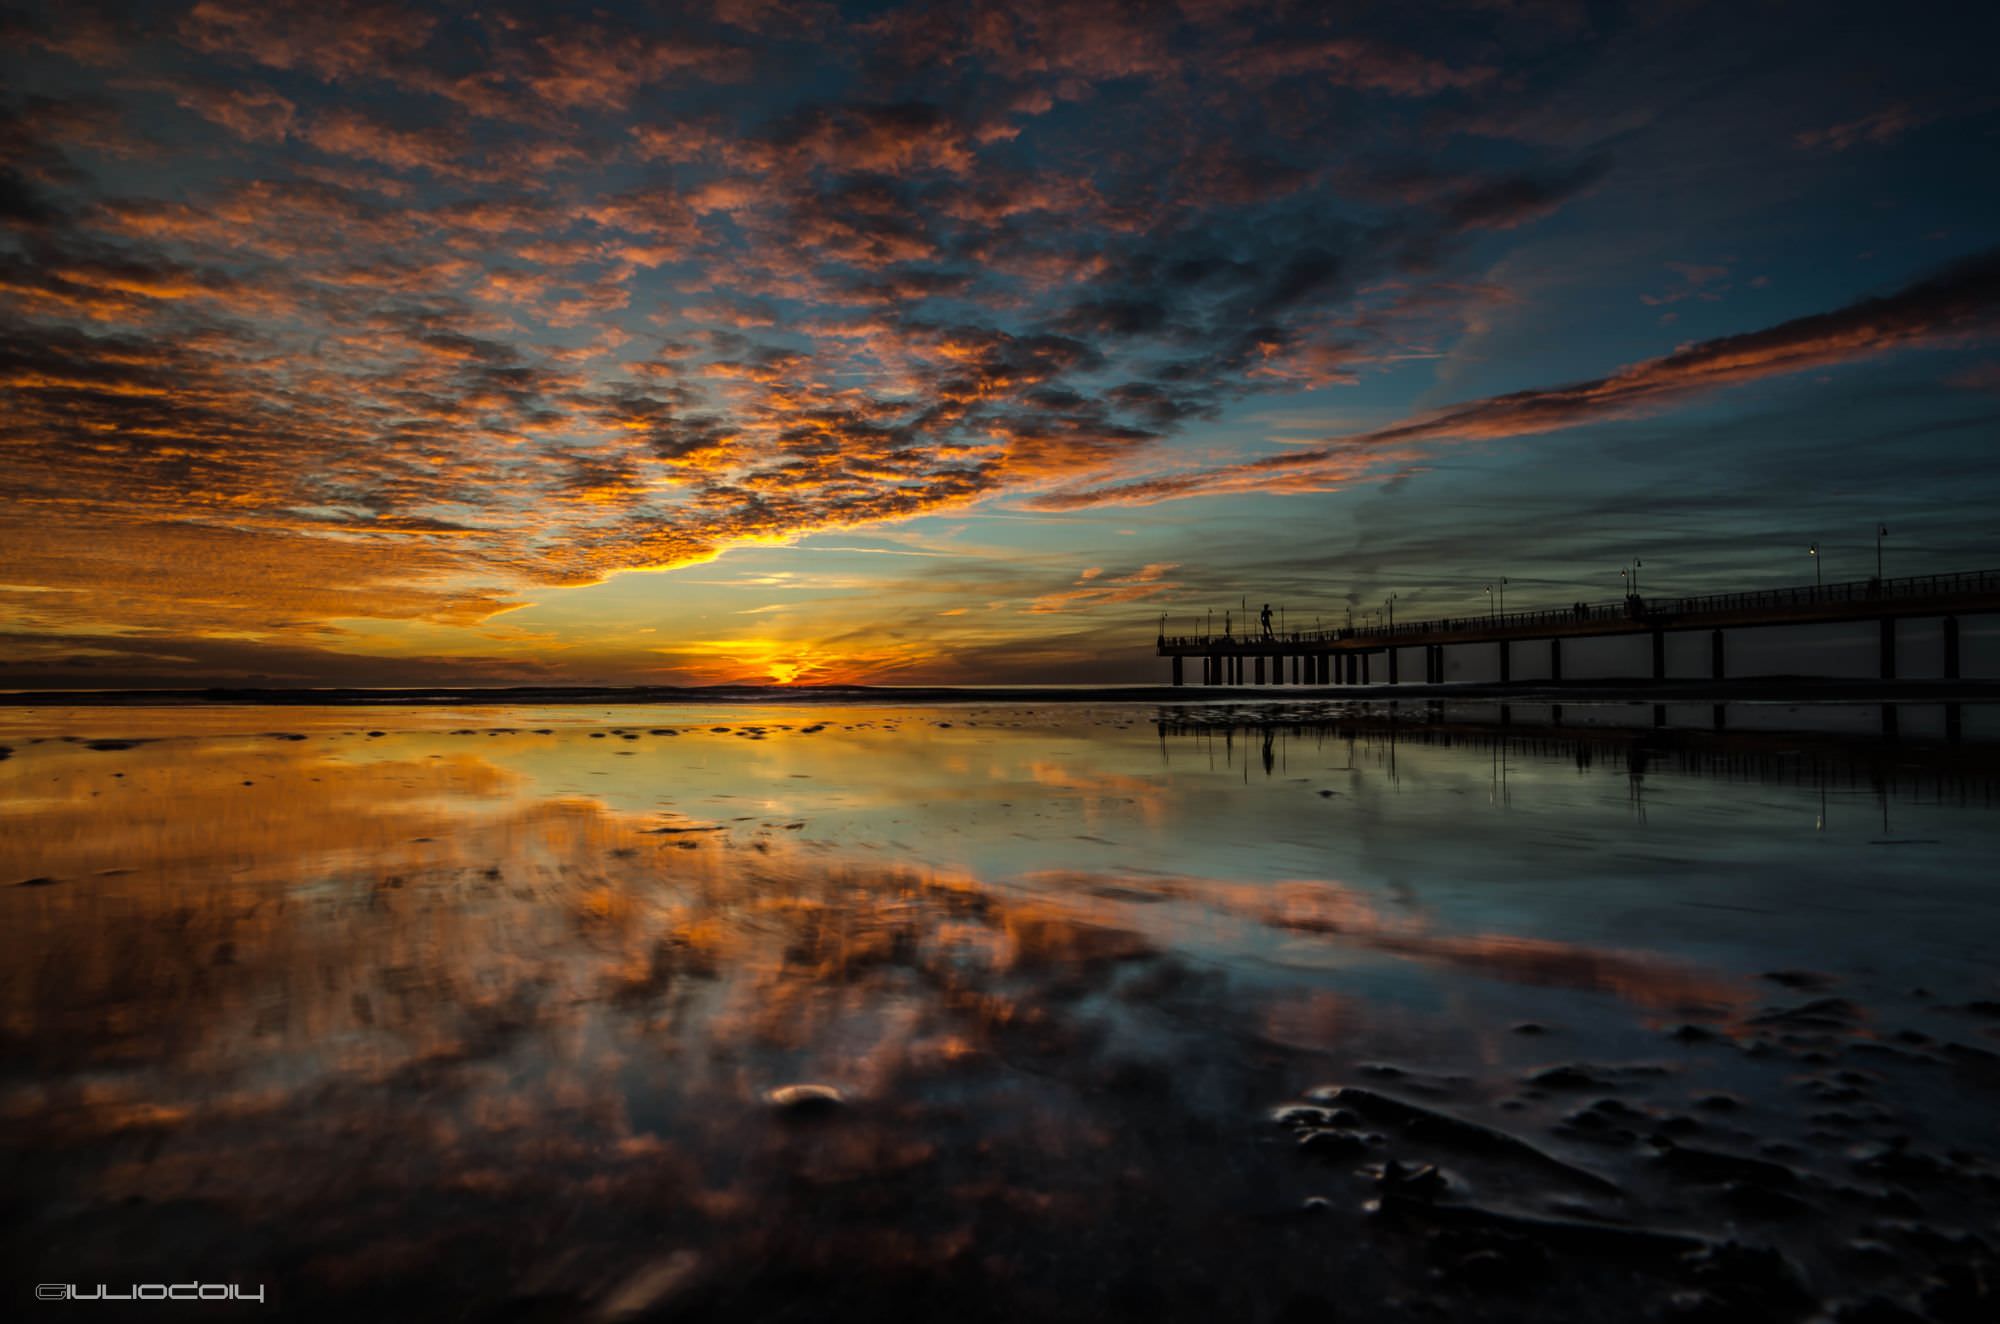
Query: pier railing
point(1641, 612)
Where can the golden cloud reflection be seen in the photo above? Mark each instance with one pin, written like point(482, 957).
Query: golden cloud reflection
point(350, 984)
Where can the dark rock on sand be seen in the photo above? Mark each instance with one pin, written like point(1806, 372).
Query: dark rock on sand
point(36, 882)
point(802, 1102)
point(112, 744)
point(1330, 1146)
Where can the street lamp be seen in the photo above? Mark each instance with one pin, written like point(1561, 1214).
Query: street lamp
point(1819, 578)
point(1391, 605)
point(1881, 532)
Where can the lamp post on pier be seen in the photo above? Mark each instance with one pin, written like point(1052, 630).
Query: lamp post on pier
point(1819, 579)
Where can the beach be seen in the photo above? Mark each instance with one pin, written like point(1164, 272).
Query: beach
point(1004, 1008)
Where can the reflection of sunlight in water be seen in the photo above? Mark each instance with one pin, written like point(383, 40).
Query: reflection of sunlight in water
point(560, 964)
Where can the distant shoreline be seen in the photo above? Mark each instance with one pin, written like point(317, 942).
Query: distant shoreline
point(1771, 689)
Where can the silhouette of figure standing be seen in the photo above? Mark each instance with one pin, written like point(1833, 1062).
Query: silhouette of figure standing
point(1265, 617)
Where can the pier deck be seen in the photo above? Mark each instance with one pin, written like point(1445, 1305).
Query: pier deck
point(1334, 656)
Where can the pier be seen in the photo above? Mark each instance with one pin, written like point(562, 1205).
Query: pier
point(1348, 655)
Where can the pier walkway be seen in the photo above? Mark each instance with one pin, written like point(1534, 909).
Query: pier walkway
point(1342, 655)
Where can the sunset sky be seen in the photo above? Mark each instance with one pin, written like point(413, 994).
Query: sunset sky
point(754, 340)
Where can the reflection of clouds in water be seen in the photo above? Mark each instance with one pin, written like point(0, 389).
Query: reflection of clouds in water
point(1147, 795)
point(416, 999)
point(544, 1003)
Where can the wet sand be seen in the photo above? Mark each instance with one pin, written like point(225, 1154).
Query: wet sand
point(991, 1011)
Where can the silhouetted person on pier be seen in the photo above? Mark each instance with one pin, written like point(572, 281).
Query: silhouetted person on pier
point(1265, 617)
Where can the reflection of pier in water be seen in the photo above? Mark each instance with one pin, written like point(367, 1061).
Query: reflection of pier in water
point(1949, 771)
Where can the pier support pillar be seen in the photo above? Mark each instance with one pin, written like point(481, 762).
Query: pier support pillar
point(1555, 659)
point(1364, 668)
point(1888, 648)
point(1392, 664)
point(1325, 661)
point(1506, 662)
point(1716, 669)
point(1659, 655)
point(1179, 675)
point(1951, 648)
point(1214, 669)
point(1260, 669)
point(1296, 659)
point(1353, 672)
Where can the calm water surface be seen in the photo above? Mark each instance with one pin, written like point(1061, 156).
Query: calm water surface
point(494, 1014)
